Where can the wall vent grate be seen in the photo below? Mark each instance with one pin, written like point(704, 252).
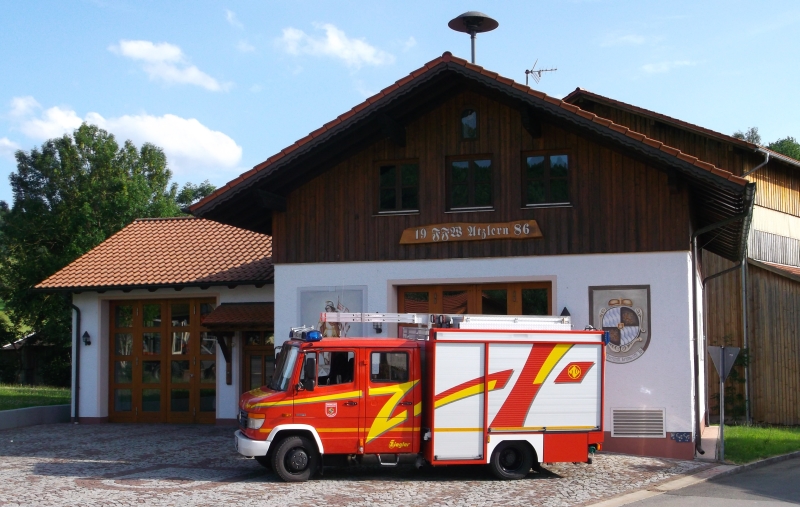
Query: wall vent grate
point(638, 422)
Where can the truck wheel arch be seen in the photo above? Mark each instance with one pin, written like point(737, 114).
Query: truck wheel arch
point(535, 442)
point(284, 430)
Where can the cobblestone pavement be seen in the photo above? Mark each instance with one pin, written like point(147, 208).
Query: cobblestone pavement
point(120, 464)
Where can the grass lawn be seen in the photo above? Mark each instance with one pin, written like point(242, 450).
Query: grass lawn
point(744, 444)
point(14, 396)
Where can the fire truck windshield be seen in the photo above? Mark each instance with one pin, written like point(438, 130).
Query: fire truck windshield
point(284, 369)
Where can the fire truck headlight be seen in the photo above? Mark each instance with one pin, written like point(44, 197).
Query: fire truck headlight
point(255, 421)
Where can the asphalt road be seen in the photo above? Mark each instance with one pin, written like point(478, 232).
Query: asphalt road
point(772, 485)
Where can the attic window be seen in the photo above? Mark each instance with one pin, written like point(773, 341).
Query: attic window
point(469, 124)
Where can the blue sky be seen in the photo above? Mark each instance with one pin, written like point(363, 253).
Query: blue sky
point(222, 86)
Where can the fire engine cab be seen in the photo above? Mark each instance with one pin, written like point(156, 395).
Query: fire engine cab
point(511, 392)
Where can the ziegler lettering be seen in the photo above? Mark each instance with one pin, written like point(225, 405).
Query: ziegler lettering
point(441, 233)
point(398, 445)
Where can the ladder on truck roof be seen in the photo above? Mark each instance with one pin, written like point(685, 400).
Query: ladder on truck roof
point(458, 321)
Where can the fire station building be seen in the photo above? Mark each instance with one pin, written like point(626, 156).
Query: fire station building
point(454, 190)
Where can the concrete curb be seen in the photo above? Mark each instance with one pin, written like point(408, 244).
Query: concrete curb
point(690, 480)
point(32, 416)
point(762, 463)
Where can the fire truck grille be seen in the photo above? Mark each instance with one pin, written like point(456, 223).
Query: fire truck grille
point(242, 418)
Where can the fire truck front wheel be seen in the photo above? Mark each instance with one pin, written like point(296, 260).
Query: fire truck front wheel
point(295, 459)
point(512, 460)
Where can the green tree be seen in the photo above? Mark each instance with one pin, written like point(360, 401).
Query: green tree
point(69, 195)
point(787, 146)
point(750, 135)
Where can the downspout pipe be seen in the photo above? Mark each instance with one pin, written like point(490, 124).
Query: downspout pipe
point(77, 387)
point(759, 166)
point(745, 328)
point(695, 235)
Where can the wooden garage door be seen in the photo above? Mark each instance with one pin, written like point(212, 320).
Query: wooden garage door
point(162, 364)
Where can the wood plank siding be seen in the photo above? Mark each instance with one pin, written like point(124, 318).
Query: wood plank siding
point(778, 188)
point(773, 303)
point(617, 203)
point(778, 183)
point(707, 149)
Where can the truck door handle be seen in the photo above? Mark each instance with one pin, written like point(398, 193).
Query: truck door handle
point(350, 403)
point(406, 402)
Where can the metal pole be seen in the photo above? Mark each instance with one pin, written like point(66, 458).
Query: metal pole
point(745, 341)
point(722, 406)
point(472, 39)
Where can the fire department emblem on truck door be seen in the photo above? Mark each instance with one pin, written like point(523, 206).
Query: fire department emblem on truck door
point(624, 312)
point(330, 409)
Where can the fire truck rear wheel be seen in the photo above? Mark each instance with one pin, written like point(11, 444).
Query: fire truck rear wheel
point(295, 459)
point(511, 460)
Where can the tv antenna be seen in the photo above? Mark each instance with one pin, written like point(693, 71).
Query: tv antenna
point(473, 22)
point(537, 74)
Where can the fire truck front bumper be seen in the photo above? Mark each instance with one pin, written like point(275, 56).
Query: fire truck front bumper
point(249, 447)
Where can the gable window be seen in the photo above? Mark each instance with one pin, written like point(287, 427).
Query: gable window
point(398, 188)
point(469, 184)
point(545, 179)
point(469, 124)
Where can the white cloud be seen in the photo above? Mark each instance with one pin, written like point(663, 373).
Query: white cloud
point(193, 150)
point(662, 67)
point(410, 43)
point(232, 19)
point(22, 106)
point(617, 39)
point(353, 52)
point(53, 122)
point(256, 88)
point(245, 47)
point(190, 146)
point(8, 148)
point(166, 62)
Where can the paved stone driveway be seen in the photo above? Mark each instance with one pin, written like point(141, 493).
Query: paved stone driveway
point(120, 464)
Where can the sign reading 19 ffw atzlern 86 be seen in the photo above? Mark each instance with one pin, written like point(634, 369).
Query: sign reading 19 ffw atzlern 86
point(459, 231)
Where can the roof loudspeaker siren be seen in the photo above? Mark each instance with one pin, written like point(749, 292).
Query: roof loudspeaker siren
point(473, 22)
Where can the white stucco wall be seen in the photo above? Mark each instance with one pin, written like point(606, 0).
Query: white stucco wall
point(94, 358)
point(661, 378)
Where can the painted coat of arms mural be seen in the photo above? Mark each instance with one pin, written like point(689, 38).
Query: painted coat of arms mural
point(623, 311)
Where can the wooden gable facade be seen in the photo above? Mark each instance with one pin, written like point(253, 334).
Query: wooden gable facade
point(769, 391)
point(627, 192)
point(616, 203)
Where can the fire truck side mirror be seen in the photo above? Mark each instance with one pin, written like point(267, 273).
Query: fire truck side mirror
point(310, 373)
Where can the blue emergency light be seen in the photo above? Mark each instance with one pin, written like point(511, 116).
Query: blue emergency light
point(306, 334)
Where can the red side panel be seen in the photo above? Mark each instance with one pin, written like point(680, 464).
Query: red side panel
point(565, 447)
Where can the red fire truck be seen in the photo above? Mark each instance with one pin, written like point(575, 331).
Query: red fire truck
point(512, 392)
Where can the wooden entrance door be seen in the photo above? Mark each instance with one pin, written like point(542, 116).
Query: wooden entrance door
point(163, 363)
point(259, 358)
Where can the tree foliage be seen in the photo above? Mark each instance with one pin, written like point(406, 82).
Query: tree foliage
point(787, 146)
point(69, 195)
point(750, 135)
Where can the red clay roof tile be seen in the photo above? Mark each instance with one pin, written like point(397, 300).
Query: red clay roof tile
point(635, 135)
point(652, 142)
point(670, 150)
point(738, 179)
point(170, 251)
point(704, 165)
